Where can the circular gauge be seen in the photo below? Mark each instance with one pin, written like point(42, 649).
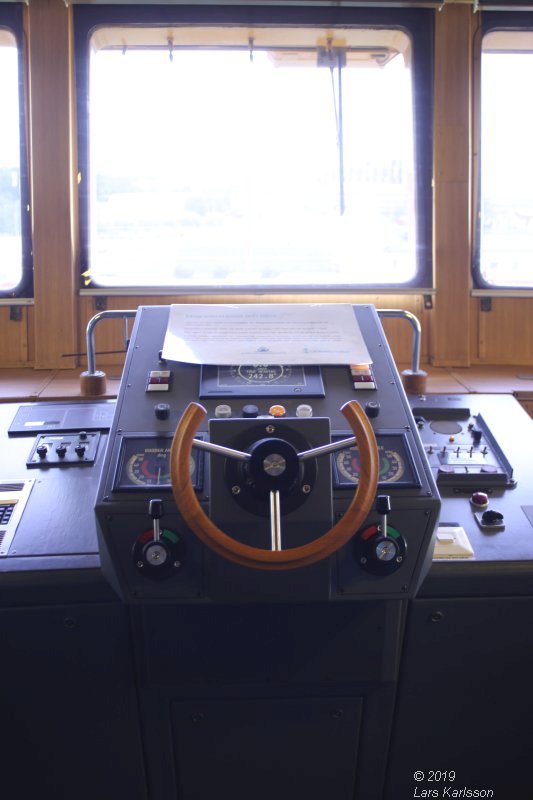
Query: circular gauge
point(150, 468)
point(391, 465)
point(260, 374)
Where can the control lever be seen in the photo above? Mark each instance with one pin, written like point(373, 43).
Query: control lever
point(156, 510)
point(157, 554)
point(383, 509)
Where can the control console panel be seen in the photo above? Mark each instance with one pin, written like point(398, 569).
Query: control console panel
point(260, 506)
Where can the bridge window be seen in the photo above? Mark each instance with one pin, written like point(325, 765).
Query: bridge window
point(239, 158)
point(504, 254)
point(14, 236)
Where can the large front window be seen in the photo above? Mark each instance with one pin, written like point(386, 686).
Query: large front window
point(225, 158)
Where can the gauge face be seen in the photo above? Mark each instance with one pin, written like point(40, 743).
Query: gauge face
point(395, 465)
point(149, 467)
point(145, 462)
point(391, 465)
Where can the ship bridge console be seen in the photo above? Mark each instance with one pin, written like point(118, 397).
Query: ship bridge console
point(250, 482)
point(272, 580)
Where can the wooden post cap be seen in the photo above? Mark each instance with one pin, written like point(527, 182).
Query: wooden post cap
point(93, 384)
point(414, 382)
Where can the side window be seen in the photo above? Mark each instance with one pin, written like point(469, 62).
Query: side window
point(231, 158)
point(504, 255)
point(14, 236)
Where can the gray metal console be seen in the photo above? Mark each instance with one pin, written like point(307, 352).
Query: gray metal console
point(238, 400)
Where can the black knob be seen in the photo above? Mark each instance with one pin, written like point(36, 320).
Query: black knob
point(83, 435)
point(155, 509)
point(61, 450)
point(372, 409)
point(250, 410)
point(80, 450)
point(162, 410)
point(42, 450)
point(491, 517)
point(476, 435)
point(383, 504)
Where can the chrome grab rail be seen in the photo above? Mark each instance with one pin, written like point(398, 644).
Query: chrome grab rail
point(93, 322)
point(130, 313)
point(417, 332)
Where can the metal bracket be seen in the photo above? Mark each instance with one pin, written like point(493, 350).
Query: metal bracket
point(486, 304)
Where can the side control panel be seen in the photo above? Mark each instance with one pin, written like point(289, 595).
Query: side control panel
point(64, 449)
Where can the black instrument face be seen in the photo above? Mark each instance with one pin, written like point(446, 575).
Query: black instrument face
point(395, 463)
point(261, 380)
point(144, 464)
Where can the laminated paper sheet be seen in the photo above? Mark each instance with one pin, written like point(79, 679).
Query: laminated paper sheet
point(315, 333)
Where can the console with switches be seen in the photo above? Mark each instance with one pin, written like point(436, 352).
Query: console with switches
point(279, 475)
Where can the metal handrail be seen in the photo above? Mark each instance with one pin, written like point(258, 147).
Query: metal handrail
point(93, 322)
point(417, 332)
point(130, 313)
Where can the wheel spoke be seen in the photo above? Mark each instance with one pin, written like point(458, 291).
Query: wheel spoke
point(228, 452)
point(324, 449)
point(275, 521)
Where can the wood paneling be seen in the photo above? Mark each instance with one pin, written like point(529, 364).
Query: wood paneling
point(506, 332)
point(13, 337)
point(52, 136)
point(451, 321)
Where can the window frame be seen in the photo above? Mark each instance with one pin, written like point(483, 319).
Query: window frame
point(492, 21)
point(417, 23)
point(11, 19)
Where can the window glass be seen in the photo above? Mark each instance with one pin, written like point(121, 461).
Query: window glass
point(10, 174)
point(506, 175)
point(251, 165)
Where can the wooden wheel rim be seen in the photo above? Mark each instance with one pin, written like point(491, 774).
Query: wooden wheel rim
point(255, 557)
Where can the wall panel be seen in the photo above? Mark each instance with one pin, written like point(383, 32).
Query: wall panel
point(14, 337)
point(506, 332)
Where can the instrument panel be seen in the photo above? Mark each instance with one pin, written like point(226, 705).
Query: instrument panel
point(144, 464)
point(244, 380)
point(396, 467)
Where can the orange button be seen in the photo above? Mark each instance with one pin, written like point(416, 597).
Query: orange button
point(277, 411)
